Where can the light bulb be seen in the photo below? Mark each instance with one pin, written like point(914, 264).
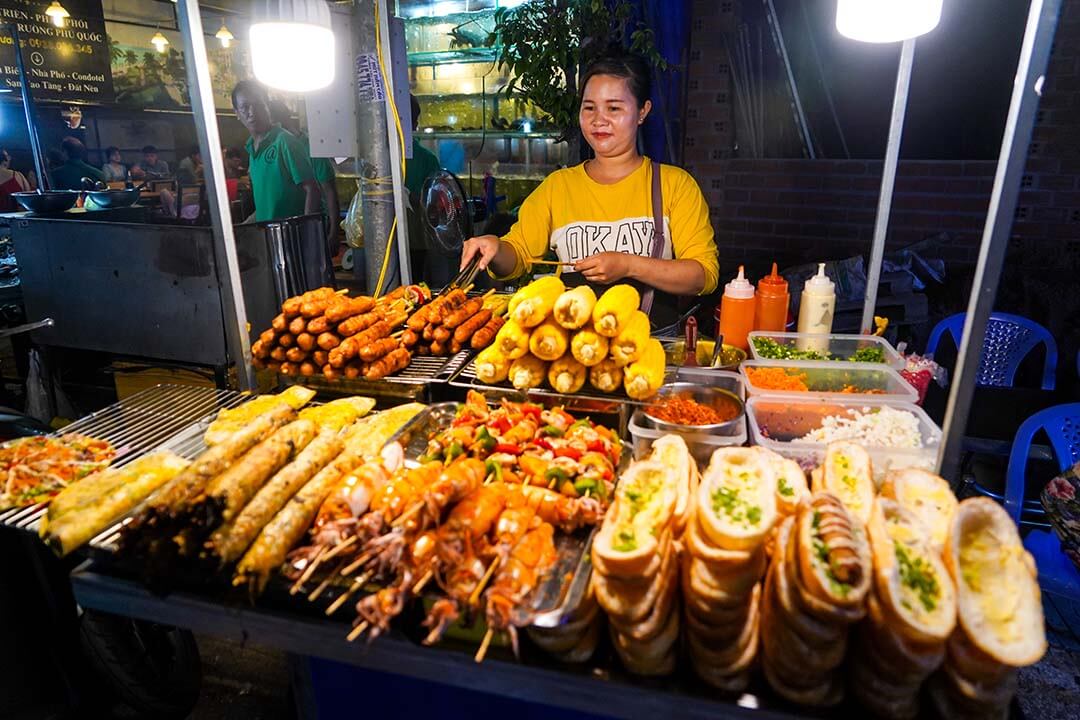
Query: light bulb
point(159, 42)
point(292, 45)
point(882, 21)
point(224, 35)
point(57, 13)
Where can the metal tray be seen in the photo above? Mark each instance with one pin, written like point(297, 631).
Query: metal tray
point(553, 600)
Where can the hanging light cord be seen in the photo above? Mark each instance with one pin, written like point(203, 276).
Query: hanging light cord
point(383, 181)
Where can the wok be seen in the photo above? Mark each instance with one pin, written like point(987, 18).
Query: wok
point(114, 198)
point(52, 202)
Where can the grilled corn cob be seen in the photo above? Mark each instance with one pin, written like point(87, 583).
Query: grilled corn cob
point(588, 348)
point(534, 302)
point(548, 340)
point(512, 340)
point(491, 366)
point(628, 345)
point(567, 375)
point(644, 377)
point(527, 372)
point(614, 308)
point(574, 307)
point(607, 376)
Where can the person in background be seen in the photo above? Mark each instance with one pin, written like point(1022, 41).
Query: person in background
point(190, 169)
point(69, 175)
point(437, 269)
point(11, 181)
point(151, 167)
point(281, 176)
point(324, 175)
point(114, 168)
point(234, 163)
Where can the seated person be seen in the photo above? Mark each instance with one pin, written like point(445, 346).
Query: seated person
point(151, 167)
point(70, 174)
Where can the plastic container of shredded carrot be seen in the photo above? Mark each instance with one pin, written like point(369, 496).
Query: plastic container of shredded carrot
point(825, 380)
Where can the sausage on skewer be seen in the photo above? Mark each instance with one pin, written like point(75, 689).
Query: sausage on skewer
point(463, 313)
point(470, 327)
point(391, 363)
point(279, 323)
point(486, 335)
point(373, 351)
point(297, 326)
point(349, 308)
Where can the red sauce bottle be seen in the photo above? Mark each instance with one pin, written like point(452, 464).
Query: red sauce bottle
point(772, 302)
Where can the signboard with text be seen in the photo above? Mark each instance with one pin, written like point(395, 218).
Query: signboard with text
point(62, 63)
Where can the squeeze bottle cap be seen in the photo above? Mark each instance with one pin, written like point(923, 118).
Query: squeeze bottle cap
point(773, 284)
point(820, 283)
point(739, 288)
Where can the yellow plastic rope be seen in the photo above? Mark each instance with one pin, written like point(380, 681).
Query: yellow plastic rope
point(401, 139)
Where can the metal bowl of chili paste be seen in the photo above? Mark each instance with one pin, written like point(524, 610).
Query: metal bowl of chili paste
point(691, 408)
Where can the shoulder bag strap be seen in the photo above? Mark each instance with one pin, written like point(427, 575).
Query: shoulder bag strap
point(658, 231)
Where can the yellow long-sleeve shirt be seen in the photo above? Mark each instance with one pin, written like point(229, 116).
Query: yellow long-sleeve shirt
point(578, 217)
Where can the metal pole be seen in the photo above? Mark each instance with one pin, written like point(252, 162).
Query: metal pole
point(781, 49)
point(888, 180)
point(396, 158)
point(28, 109)
point(1027, 87)
point(202, 103)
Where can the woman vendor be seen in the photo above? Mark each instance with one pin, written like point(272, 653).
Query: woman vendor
point(597, 217)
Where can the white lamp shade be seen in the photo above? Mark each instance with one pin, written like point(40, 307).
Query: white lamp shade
point(292, 45)
point(882, 21)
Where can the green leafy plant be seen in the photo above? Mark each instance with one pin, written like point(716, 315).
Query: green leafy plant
point(546, 45)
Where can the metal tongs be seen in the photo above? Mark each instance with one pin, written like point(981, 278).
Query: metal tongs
point(466, 276)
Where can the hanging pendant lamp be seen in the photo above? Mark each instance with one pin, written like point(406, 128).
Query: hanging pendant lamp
point(882, 21)
point(57, 13)
point(224, 35)
point(292, 45)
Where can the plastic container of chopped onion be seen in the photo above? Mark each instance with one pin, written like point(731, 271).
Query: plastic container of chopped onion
point(896, 434)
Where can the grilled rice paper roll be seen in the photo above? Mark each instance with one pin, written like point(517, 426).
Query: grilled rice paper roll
point(912, 583)
point(86, 492)
point(997, 590)
point(189, 483)
point(275, 540)
point(848, 474)
point(833, 552)
point(736, 500)
point(81, 521)
point(230, 420)
point(643, 508)
point(231, 540)
point(928, 496)
point(234, 487)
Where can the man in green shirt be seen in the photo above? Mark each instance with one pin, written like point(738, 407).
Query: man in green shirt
point(281, 176)
point(69, 175)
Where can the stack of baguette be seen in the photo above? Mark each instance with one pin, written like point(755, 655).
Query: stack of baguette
point(911, 613)
point(635, 560)
point(734, 510)
point(574, 641)
point(999, 610)
point(815, 590)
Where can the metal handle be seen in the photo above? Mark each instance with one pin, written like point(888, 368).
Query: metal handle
point(27, 327)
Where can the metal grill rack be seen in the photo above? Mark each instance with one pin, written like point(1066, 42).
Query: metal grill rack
point(161, 416)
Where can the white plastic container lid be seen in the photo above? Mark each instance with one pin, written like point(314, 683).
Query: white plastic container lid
point(740, 288)
point(820, 284)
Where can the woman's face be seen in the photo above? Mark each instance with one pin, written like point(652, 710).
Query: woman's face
point(610, 116)
point(114, 157)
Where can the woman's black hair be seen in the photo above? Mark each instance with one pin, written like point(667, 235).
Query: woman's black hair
point(110, 150)
point(624, 64)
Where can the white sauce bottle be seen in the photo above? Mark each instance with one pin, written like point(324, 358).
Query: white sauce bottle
point(816, 309)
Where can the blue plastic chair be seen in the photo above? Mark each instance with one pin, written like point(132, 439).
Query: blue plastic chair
point(1009, 339)
point(1057, 574)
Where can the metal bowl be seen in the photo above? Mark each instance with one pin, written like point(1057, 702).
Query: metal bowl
point(52, 202)
point(730, 357)
point(714, 397)
point(114, 198)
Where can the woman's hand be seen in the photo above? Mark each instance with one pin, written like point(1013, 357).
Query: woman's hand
point(606, 267)
point(486, 246)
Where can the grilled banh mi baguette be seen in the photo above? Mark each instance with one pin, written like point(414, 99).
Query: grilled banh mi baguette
point(228, 421)
point(833, 552)
point(80, 522)
point(997, 589)
point(791, 485)
point(634, 524)
point(926, 495)
point(848, 474)
point(574, 307)
point(915, 589)
point(736, 500)
point(671, 452)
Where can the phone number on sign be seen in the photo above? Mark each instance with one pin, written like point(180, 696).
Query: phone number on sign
point(64, 48)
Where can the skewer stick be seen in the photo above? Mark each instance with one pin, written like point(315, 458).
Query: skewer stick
point(308, 572)
point(357, 631)
point(343, 545)
point(422, 582)
point(484, 645)
point(404, 517)
point(344, 597)
point(321, 589)
point(355, 564)
point(474, 598)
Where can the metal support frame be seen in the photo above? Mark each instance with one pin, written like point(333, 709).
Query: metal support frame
point(234, 312)
point(396, 159)
point(1027, 88)
point(888, 181)
point(781, 50)
point(28, 108)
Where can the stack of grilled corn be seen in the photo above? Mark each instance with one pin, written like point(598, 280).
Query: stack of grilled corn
point(569, 337)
